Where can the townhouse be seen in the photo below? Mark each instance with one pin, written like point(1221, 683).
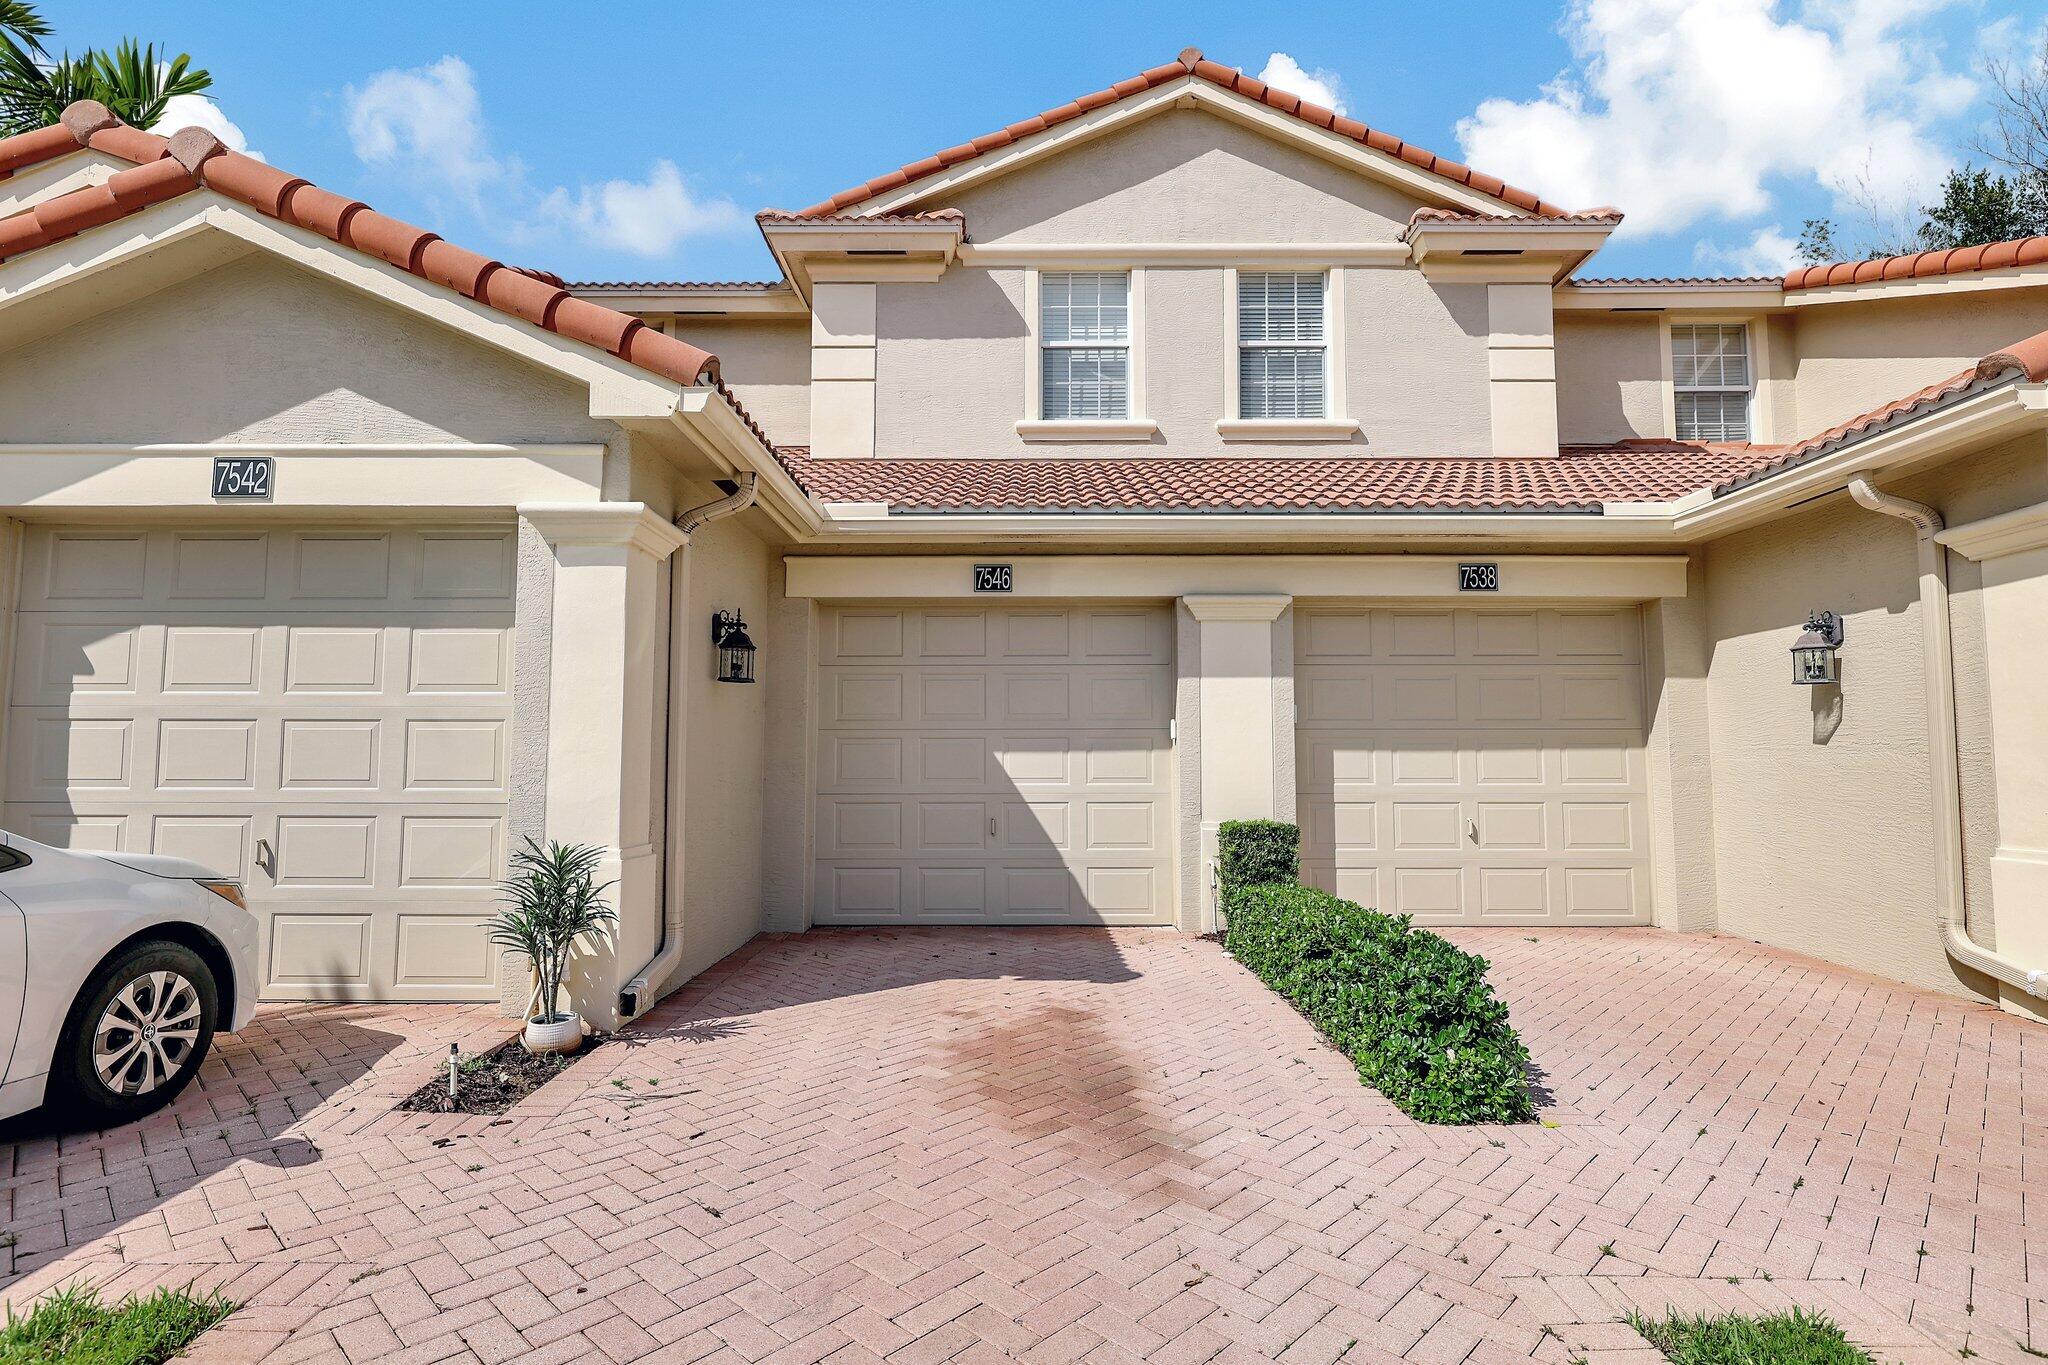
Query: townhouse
point(1184, 453)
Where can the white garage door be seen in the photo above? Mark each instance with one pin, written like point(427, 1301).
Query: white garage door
point(1000, 766)
point(323, 712)
point(1474, 767)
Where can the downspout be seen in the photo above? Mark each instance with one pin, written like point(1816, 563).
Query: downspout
point(1942, 744)
point(637, 994)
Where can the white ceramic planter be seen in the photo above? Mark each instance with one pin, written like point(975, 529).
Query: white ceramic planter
point(563, 1033)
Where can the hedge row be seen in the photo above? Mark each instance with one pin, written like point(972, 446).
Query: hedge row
point(1412, 1010)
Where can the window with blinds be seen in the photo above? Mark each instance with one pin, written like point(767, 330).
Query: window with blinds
point(1711, 380)
point(1282, 348)
point(1084, 330)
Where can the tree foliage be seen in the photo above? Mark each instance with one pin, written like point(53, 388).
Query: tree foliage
point(135, 80)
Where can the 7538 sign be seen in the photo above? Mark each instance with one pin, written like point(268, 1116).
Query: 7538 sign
point(1479, 578)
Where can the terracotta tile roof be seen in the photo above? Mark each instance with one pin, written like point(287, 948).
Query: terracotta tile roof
point(1578, 480)
point(1637, 281)
point(168, 167)
point(1921, 264)
point(1191, 63)
point(812, 216)
point(721, 285)
point(2027, 359)
point(1600, 217)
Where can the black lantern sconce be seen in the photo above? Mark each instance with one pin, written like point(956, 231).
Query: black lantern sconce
point(735, 649)
point(1813, 653)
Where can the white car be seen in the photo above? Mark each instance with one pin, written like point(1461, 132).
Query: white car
point(116, 970)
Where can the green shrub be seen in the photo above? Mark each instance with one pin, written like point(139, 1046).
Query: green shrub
point(1412, 1010)
point(1250, 852)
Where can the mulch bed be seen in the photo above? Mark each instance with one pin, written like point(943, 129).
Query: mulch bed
point(494, 1081)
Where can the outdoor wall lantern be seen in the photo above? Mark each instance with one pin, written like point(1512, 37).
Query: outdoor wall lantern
point(735, 650)
point(1813, 653)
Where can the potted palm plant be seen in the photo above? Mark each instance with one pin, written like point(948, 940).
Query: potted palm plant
point(554, 900)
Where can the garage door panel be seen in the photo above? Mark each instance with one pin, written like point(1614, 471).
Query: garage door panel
point(341, 693)
point(312, 951)
point(331, 569)
point(1503, 781)
point(1002, 765)
point(337, 566)
point(55, 659)
point(937, 635)
point(225, 841)
point(444, 955)
point(941, 697)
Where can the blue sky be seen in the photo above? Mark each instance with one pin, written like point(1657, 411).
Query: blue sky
point(636, 141)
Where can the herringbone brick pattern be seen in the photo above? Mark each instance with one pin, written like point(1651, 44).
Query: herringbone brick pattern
point(1057, 1145)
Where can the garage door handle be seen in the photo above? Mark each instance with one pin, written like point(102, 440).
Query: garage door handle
point(265, 859)
point(991, 827)
point(1471, 829)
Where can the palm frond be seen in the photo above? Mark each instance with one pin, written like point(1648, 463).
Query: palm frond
point(20, 22)
point(136, 83)
point(553, 901)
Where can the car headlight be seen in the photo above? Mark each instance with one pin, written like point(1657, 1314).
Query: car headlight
point(231, 892)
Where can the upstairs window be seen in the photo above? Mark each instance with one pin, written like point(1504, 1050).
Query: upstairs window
point(1282, 346)
point(1084, 330)
point(1711, 378)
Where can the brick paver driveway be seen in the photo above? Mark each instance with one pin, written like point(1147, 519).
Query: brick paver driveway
point(1058, 1145)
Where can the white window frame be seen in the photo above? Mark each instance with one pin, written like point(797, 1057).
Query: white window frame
point(1036, 426)
point(1336, 423)
point(1754, 347)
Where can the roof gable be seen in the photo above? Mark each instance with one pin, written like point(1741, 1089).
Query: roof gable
point(162, 169)
point(1184, 175)
point(259, 348)
point(1191, 76)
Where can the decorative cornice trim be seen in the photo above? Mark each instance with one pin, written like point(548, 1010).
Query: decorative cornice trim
point(2006, 534)
point(604, 523)
point(1238, 607)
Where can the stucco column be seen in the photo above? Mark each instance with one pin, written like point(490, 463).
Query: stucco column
point(2012, 552)
point(606, 649)
point(1680, 759)
point(1243, 772)
point(2015, 605)
point(1521, 368)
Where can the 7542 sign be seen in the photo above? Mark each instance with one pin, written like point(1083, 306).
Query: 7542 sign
point(244, 476)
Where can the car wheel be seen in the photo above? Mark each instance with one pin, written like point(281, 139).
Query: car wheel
point(136, 1034)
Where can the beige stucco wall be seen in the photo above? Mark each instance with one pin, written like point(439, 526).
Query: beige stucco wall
point(1821, 803)
point(952, 360)
point(1184, 176)
point(789, 681)
point(1853, 357)
point(259, 350)
point(766, 362)
point(1610, 377)
point(723, 727)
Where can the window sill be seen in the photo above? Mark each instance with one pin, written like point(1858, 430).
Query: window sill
point(1287, 429)
point(1121, 429)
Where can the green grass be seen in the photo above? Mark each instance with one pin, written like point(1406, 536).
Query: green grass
point(1794, 1338)
point(75, 1326)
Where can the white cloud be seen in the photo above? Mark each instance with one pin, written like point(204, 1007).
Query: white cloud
point(197, 111)
point(1768, 252)
point(427, 121)
point(1319, 86)
point(646, 217)
point(1681, 110)
point(428, 124)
